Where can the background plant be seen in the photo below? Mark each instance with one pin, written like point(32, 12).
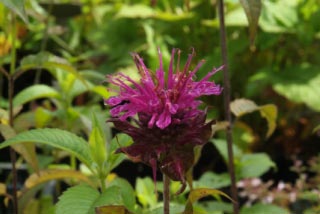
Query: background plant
point(86, 37)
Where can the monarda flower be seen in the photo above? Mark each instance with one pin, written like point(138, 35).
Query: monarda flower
point(161, 113)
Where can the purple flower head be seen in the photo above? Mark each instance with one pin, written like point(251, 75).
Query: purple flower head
point(164, 106)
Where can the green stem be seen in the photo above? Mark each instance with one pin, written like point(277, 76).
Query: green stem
point(226, 90)
point(166, 194)
point(103, 183)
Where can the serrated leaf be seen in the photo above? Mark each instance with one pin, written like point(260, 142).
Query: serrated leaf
point(79, 199)
point(263, 209)
point(127, 192)
point(197, 194)
point(240, 107)
point(83, 199)
point(112, 209)
point(17, 6)
point(57, 138)
point(54, 174)
point(34, 92)
point(26, 150)
point(252, 9)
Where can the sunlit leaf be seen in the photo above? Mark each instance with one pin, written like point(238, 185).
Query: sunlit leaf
point(252, 9)
point(57, 138)
point(34, 92)
point(112, 209)
point(42, 117)
point(49, 62)
point(269, 112)
point(54, 174)
point(145, 192)
point(26, 150)
point(263, 209)
point(254, 165)
point(102, 91)
point(88, 197)
point(97, 145)
point(3, 189)
point(17, 6)
point(197, 194)
point(135, 11)
point(240, 107)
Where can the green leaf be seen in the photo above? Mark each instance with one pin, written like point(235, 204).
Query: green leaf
point(145, 192)
point(135, 11)
point(46, 175)
point(213, 180)
point(121, 140)
point(84, 199)
point(316, 129)
point(263, 209)
point(26, 150)
point(78, 199)
point(252, 9)
point(112, 209)
point(254, 165)
point(197, 194)
point(240, 107)
point(126, 191)
point(57, 138)
point(295, 90)
point(16, 6)
point(34, 92)
point(48, 61)
point(269, 112)
point(221, 145)
point(97, 145)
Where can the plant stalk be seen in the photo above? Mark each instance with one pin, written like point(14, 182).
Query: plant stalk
point(166, 194)
point(226, 94)
point(13, 157)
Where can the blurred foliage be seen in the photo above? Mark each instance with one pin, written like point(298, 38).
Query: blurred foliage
point(58, 52)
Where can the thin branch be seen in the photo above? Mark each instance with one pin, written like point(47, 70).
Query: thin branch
point(227, 89)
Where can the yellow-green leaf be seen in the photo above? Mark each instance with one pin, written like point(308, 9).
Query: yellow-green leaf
point(269, 112)
point(197, 194)
point(112, 209)
point(3, 189)
point(240, 107)
point(252, 9)
point(54, 174)
point(26, 150)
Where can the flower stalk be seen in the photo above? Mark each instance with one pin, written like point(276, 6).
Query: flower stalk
point(226, 95)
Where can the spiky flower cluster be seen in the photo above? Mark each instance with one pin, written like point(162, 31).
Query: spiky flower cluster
point(164, 106)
